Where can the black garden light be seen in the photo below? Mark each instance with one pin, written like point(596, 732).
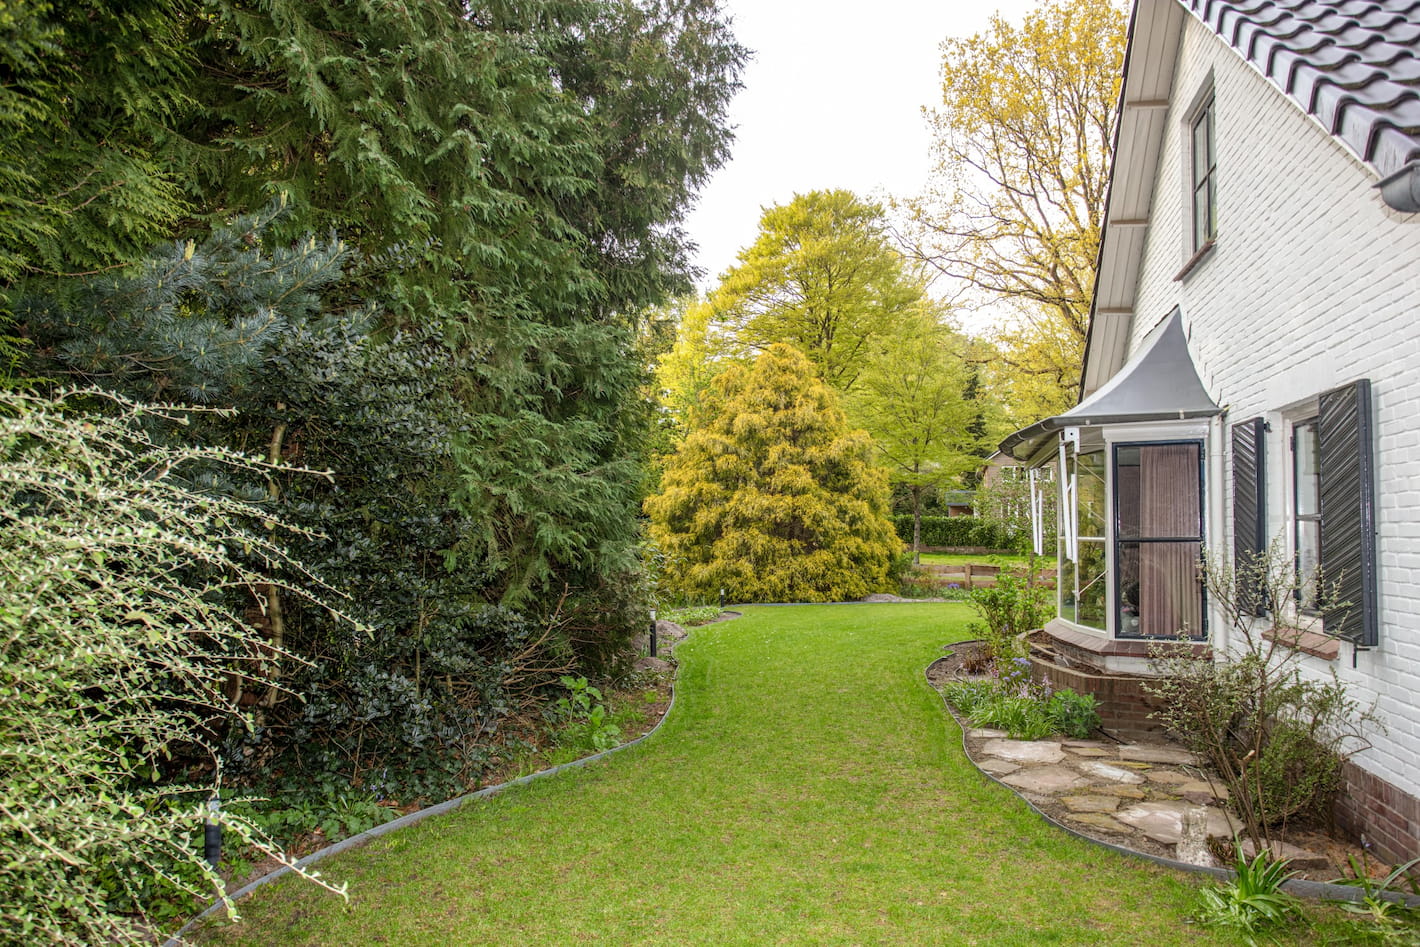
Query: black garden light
point(653, 632)
point(212, 833)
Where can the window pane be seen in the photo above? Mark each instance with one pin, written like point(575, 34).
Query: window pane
point(1091, 609)
point(1200, 148)
point(1308, 460)
point(1158, 491)
point(1090, 493)
point(1068, 605)
point(1159, 591)
point(1308, 558)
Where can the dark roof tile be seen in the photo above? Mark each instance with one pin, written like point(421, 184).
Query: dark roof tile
point(1353, 64)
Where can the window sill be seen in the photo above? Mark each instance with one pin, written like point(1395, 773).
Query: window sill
point(1203, 253)
point(1307, 642)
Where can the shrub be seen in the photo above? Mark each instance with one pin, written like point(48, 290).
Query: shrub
point(121, 641)
point(1073, 714)
point(953, 531)
point(1277, 738)
point(1009, 609)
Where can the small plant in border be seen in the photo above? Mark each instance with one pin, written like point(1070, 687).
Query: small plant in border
point(1253, 901)
point(1391, 919)
point(586, 723)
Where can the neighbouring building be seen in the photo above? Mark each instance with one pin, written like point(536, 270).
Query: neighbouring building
point(1252, 374)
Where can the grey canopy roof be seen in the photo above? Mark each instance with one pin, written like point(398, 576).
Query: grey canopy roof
point(1158, 384)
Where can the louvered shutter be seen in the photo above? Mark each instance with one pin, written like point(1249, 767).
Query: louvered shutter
point(1250, 513)
point(1348, 514)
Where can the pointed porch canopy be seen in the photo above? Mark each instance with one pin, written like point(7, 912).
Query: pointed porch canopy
point(1158, 384)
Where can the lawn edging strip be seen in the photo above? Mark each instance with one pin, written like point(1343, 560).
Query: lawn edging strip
point(404, 821)
point(1317, 890)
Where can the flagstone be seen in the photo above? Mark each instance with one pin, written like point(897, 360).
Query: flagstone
point(1152, 753)
point(998, 767)
point(1025, 751)
point(1106, 771)
point(1047, 780)
point(1099, 820)
point(1163, 821)
point(1092, 803)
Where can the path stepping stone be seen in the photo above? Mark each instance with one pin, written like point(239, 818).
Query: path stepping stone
point(1090, 803)
point(1301, 858)
point(1163, 821)
point(986, 734)
point(998, 767)
point(1098, 820)
point(1122, 791)
point(1025, 751)
point(1045, 780)
point(1082, 744)
point(1170, 777)
point(1087, 750)
point(1109, 773)
point(1149, 753)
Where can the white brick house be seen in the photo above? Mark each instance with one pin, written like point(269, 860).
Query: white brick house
point(1253, 367)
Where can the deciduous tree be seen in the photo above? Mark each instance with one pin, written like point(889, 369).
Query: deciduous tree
point(915, 397)
point(774, 499)
point(822, 276)
point(1023, 142)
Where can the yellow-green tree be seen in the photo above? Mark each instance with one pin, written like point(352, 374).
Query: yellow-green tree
point(774, 498)
point(1023, 142)
point(823, 276)
point(916, 398)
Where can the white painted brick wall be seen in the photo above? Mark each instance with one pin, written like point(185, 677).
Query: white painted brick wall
point(1313, 283)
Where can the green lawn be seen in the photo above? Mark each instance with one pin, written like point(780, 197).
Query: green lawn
point(808, 788)
point(1005, 562)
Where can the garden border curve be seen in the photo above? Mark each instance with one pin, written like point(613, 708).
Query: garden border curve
point(448, 805)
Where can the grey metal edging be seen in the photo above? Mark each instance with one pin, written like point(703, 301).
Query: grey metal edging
point(1318, 890)
point(369, 835)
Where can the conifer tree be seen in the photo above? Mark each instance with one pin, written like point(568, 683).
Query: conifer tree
point(774, 499)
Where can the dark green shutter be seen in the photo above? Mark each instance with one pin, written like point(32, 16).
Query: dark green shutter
point(1348, 514)
point(1250, 513)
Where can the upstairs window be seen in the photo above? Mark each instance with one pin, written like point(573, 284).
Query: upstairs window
point(1204, 177)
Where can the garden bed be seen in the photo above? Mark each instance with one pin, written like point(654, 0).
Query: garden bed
point(1158, 775)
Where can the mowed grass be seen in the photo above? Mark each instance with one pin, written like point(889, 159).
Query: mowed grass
point(1004, 561)
point(808, 788)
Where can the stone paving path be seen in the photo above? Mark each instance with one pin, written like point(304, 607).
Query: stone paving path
point(1152, 798)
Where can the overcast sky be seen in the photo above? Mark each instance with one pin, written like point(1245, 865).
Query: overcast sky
point(833, 99)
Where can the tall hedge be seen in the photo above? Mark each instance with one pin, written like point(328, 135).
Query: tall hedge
point(953, 531)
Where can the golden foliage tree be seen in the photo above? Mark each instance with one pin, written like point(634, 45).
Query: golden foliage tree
point(774, 498)
point(1023, 142)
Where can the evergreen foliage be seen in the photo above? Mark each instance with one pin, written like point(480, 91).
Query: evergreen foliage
point(237, 322)
point(953, 531)
point(507, 182)
point(774, 499)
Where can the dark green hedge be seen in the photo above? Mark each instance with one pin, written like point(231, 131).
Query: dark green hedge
point(954, 531)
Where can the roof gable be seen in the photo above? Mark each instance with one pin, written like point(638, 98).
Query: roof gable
point(1350, 64)
point(1353, 66)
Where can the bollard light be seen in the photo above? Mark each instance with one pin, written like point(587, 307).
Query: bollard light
point(722, 600)
point(212, 833)
point(653, 632)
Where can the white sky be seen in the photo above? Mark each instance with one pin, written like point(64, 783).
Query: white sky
point(832, 99)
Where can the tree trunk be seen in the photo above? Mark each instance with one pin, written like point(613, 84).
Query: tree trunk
point(272, 593)
point(916, 524)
